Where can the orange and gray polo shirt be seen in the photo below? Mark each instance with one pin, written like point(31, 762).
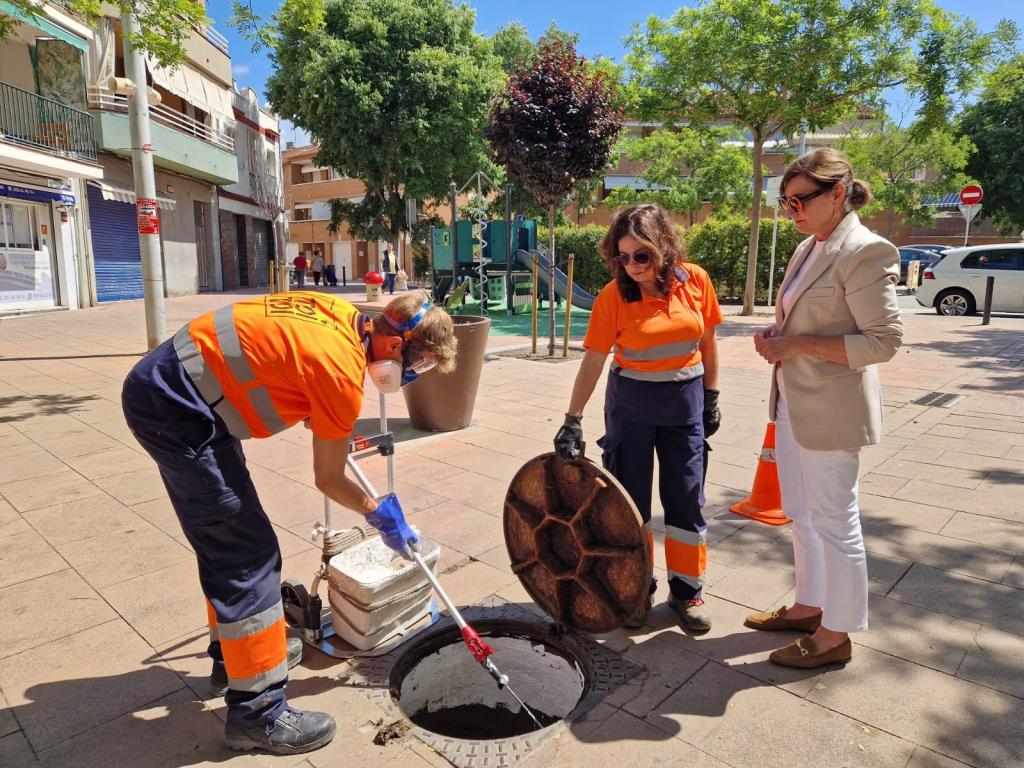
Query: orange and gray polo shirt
point(656, 339)
point(269, 362)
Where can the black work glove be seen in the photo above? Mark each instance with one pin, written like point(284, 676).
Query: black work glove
point(712, 416)
point(569, 440)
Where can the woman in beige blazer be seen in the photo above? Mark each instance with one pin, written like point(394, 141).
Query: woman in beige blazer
point(836, 319)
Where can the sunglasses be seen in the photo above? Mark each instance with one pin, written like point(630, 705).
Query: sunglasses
point(796, 203)
point(640, 258)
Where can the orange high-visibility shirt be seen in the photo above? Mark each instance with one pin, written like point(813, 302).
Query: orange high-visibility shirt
point(303, 348)
point(650, 335)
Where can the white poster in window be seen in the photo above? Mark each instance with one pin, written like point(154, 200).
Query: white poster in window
point(25, 276)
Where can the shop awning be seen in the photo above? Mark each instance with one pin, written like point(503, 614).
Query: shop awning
point(117, 194)
point(35, 194)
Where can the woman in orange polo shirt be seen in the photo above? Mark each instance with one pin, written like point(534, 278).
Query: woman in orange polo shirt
point(659, 314)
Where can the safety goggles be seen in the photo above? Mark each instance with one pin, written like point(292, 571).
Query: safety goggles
point(640, 258)
point(797, 203)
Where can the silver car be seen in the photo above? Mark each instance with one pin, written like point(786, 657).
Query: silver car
point(956, 284)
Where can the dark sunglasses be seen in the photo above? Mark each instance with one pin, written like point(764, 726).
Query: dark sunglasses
point(640, 257)
point(796, 203)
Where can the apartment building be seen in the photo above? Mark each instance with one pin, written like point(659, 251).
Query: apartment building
point(193, 137)
point(48, 154)
point(252, 222)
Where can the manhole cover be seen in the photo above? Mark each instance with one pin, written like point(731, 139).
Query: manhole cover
point(432, 688)
point(939, 399)
point(577, 543)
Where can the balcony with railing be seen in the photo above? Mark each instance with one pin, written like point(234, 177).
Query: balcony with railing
point(104, 100)
point(30, 120)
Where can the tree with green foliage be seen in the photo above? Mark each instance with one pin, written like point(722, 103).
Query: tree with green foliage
point(771, 65)
point(554, 127)
point(995, 124)
point(687, 166)
point(166, 24)
point(891, 160)
point(395, 93)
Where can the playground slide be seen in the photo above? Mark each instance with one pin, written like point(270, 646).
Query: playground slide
point(580, 298)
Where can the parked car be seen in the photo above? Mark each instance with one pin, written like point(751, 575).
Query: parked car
point(933, 247)
point(913, 253)
point(956, 285)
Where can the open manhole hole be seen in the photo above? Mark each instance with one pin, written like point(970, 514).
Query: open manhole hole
point(453, 705)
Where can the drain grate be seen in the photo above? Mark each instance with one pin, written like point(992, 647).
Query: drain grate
point(603, 670)
point(939, 399)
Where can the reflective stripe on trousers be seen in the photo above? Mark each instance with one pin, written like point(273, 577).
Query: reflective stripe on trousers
point(234, 357)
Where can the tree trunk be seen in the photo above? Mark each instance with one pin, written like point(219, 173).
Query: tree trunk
point(749, 292)
point(551, 281)
point(892, 224)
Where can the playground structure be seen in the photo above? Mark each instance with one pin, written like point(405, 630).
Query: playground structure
point(463, 269)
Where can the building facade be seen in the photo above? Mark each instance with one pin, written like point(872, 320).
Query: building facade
point(193, 140)
point(252, 218)
point(48, 154)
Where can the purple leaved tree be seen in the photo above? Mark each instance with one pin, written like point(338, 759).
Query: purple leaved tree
point(554, 127)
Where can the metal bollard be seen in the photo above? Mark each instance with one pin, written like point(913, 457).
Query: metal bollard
point(282, 277)
point(271, 281)
point(990, 283)
point(344, 275)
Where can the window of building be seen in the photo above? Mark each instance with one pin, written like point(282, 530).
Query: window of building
point(302, 214)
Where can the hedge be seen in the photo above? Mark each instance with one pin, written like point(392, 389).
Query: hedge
point(720, 245)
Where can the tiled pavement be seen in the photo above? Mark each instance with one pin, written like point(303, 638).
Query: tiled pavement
point(102, 638)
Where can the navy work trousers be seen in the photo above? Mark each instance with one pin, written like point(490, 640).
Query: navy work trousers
point(644, 418)
point(203, 469)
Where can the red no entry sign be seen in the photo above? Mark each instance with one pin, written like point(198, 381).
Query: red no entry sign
point(971, 194)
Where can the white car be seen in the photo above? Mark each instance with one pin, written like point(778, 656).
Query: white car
point(956, 285)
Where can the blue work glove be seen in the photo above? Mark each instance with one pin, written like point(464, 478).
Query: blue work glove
point(390, 521)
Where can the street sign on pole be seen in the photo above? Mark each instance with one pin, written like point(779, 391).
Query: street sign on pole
point(971, 194)
point(969, 212)
point(772, 189)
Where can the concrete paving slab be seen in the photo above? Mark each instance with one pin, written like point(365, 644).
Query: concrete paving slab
point(117, 557)
point(25, 555)
point(989, 531)
point(925, 758)
point(8, 724)
point(666, 668)
point(1015, 576)
point(460, 526)
point(1001, 504)
point(135, 487)
point(28, 464)
point(16, 752)
point(995, 605)
point(59, 488)
point(168, 732)
point(69, 686)
point(924, 637)
point(905, 514)
point(995, 659)
point(116, 461)
point(99, 515)
point(161, 604)
point(750, 735)
point(884, 573)
point(937, 551)
point(977, 725)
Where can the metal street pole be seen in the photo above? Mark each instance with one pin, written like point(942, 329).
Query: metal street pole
point(145, 186)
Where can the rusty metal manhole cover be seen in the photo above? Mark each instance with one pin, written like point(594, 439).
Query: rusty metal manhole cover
point(577, 543)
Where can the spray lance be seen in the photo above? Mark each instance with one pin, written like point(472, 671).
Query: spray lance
point(480, 648)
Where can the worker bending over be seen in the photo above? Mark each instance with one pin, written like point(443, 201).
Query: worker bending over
point(253, 369)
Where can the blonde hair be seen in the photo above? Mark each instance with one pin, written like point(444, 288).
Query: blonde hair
point(435, 332)
point(827, 167)
point(651, 225)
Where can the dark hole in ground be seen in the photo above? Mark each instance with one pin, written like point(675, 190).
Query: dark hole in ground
point(475, 721)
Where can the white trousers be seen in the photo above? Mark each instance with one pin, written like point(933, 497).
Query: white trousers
point(819, 494)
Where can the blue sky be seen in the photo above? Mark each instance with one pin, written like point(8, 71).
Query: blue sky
point(601, 25)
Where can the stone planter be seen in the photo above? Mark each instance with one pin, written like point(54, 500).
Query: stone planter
point(440, 402)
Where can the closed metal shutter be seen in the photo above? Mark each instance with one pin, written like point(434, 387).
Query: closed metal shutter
point(115, 244)
point(263, 252)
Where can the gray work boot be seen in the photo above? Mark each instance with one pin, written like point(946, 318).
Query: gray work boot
point(692, 614)
point(219, 675)
point(294, 732)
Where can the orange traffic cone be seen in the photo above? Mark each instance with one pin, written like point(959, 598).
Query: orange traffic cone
point(765, 501)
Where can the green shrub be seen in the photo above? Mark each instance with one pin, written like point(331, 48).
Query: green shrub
point(720, 246)
point(589, 270)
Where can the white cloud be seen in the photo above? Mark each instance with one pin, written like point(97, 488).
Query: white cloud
point(240, 70)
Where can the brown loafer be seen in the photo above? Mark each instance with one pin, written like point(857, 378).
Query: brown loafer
point(803, 655)
point(776, 621)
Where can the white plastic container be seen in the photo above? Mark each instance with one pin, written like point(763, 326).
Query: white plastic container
point(375, 594)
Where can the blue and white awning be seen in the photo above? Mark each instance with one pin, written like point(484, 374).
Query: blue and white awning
point(948, 200)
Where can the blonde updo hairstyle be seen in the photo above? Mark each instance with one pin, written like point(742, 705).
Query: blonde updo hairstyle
point(434, 334)
point(826, 167)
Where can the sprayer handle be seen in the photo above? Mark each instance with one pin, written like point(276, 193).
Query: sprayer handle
point(479, 647)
